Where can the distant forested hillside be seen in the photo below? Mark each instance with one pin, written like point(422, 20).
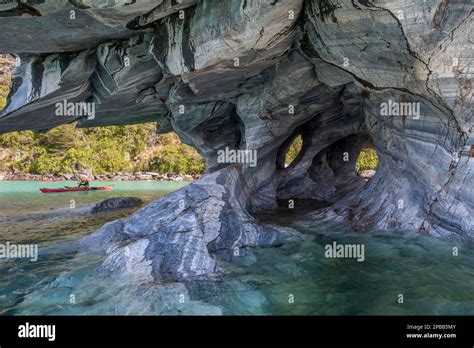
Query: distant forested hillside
point(66, 149)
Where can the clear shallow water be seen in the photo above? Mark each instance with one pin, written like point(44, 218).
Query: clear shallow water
point(422, 268)
point(26, 214)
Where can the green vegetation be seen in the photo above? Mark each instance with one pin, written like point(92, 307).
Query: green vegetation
point(368, 159)
point(104, 150)
point(66, 149)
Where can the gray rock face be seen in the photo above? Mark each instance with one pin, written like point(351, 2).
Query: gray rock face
point(251, 75)
point(177, 237)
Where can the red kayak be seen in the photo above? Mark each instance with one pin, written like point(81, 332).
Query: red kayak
point(71, 189)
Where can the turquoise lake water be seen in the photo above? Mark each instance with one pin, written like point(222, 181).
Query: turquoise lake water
point(295, 278)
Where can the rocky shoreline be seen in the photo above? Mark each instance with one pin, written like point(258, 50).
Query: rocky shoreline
point(119, 176)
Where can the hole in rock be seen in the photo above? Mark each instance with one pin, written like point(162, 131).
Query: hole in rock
point(294, 149)
point(291, 151)
point(367, 163)
point(334, 168)
point(334, 172)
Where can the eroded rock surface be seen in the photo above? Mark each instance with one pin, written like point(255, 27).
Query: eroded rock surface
point(251, 75)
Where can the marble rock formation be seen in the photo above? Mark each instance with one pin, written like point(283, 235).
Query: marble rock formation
point(249, 76)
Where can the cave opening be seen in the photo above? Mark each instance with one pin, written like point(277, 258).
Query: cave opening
point(293, 150)
point(334, 168)
point(318, 176)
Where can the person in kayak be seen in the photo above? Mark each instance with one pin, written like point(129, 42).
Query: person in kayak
point(84, 183)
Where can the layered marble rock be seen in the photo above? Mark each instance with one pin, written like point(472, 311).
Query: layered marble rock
point(250, 75)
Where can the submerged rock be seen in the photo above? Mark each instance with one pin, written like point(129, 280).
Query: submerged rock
point(245, 78)
point(116, 203)
point(80, 210)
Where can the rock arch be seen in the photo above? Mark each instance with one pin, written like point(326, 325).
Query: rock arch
point(236, 67)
